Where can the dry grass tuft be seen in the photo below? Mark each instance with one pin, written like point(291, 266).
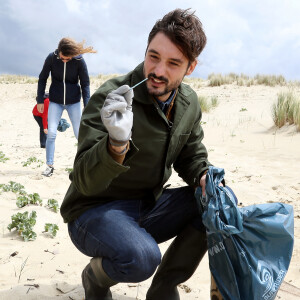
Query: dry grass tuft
point(6, 78)
point(101, 78)
point(286, 110)
point(244, 80)
point(207, 104)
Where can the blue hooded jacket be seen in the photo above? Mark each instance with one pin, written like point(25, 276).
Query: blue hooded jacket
point(65, 77)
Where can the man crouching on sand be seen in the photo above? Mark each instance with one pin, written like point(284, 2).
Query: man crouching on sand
point(117, 207)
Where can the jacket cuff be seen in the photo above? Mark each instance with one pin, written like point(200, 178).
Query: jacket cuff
point(118, 157)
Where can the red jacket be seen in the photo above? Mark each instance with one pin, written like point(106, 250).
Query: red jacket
point(44, 115)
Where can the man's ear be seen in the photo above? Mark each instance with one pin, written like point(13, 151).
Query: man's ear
point(191, 67)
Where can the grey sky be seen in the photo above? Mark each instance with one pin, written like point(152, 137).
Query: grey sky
point(244, 36)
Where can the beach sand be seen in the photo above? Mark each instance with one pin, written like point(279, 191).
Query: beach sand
point(261, 163)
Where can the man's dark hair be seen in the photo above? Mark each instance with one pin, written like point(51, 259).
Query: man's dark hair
point(184, 29)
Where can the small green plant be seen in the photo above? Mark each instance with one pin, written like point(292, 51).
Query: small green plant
point(31, 160)
point(51, 229)
point(3, 158)
point(23, 223)
point(53, 204)
point(24, 200)
point(243, 109)
point(13, 187)
point(69, 170)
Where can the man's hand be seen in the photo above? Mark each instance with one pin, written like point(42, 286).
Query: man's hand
point(40, 107)
point(46, 131)
point(203, 183)
point(116, 114)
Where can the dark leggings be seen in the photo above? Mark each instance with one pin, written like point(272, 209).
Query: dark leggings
point(43, 136)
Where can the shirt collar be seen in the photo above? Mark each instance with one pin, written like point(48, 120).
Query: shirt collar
point(165, 104)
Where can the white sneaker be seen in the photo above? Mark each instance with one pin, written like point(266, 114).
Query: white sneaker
point(48, 172)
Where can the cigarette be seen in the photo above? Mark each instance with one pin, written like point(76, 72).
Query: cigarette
point(138, 84)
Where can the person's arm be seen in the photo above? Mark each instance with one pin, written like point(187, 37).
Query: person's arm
point(94, 167)
point(118, 153)
point(84, 82)
point(42, 83)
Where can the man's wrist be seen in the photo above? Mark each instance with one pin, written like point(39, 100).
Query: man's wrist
point(119, 149)
point(116, 143)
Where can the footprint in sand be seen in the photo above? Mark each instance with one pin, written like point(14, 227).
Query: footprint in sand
point(36, 177)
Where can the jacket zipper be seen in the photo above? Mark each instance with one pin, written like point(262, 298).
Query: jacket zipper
point(65, 65)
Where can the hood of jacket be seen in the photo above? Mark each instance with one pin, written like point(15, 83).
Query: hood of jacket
point(78, 57)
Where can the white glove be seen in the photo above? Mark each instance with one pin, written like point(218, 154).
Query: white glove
point(116, 114)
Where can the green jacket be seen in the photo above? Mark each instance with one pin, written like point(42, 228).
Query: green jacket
point(155, 147)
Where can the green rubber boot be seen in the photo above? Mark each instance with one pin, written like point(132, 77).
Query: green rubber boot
point(178, 264)
point(95, 281)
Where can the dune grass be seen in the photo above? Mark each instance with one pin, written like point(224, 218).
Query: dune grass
point(286, 110)
point(101, 78)
point(7, 78)
point(207, 104)
point(214, 79)
point(244, 80)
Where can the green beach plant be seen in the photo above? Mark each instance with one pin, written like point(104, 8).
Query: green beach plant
point(53, 204)
point(69, 170)
point(51, 229)
point(31, 160)
point(3, 158)
point(24, 223)
point(27, 199)
point(13, 187)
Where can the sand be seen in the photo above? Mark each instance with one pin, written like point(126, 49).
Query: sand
point(261, 163)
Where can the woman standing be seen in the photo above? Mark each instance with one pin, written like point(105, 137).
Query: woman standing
point(69, 81)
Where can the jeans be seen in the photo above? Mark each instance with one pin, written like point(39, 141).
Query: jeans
point(126, 233)
point(54, 115)
point(43, 135)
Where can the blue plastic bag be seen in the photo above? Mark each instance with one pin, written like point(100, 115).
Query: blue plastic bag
point(63, 125)
point(249, 248)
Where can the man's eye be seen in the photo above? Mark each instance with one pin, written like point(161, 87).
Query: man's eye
point(174, 64)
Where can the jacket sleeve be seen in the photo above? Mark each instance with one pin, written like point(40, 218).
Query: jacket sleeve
point(192, 161)
point(94, 168)
point(43, 79)
point(84, 82)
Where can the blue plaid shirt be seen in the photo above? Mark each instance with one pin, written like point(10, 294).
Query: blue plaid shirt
point(165, 104)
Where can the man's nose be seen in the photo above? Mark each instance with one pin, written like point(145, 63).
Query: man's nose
point(160, 69)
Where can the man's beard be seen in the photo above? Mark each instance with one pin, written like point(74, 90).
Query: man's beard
point(168, 88)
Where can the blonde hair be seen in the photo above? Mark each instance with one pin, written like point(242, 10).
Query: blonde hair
point(69, 47)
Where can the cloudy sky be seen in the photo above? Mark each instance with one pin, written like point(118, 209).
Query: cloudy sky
point(244, 36)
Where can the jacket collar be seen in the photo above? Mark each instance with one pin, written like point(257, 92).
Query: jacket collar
point(78, 57)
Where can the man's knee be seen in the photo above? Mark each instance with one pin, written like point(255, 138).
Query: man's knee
point(138, 263)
